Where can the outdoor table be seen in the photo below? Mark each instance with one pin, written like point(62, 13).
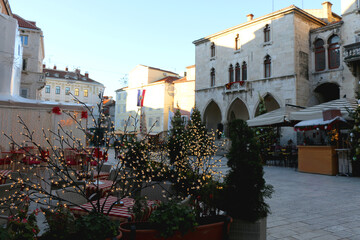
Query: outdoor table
point(117, 213)
point(3, 175)
point(104, 186)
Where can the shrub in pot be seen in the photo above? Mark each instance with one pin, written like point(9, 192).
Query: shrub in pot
point(94, 226)
point(176, 221)
point(245, 188)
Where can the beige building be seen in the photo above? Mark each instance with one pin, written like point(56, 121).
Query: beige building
point(268, 56)
point(32, 77)
point(60, 83)
point(157, 84)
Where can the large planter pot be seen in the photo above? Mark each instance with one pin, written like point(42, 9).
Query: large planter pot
point(215, 229)
point(247, 230)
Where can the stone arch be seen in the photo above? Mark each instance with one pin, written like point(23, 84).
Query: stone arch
point(270, 103)
point(212, 115)
point(237, 110)
point(327, 92)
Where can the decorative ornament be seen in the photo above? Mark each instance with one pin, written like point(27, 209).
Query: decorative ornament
point(228, 85)
point(56, 110)
point(242, 83)
point(84, 114)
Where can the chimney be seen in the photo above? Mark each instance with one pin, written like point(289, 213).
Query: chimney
point(77, 71)
point(44, 66)
point(327, 13)
point(67, 69)
point(54, 67)
point(87, 74)
point(250, 17)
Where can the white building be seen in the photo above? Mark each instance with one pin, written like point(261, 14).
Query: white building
point(157, 84)
point(60, 83)
point(270, 56)
point(32, 77)
point(10, 51)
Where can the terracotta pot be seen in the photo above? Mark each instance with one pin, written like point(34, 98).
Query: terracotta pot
point(216, 230)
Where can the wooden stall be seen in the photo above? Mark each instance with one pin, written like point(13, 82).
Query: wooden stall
point(318, 159)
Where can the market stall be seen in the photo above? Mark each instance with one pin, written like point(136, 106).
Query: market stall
point(318, 154)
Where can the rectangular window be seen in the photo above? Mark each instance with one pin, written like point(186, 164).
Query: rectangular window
point(157, 122)
point(124, 108)
point(24, 40)
point(76, 92)
point(184, 118)
point(57, 90)
point(150, 122)
point(23, 93)
point(24, 65)
point(67, 91)
point(47, 89)
point(86, 93)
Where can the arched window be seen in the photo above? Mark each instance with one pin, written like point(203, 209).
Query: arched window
point(212, 49)
point(212, 77)
point(244, 71)
point(237, 72)
point(231, 74)
point(267, 33)
point(319, 55)
point(237, 42)
point(267, 66)
point(334, 52)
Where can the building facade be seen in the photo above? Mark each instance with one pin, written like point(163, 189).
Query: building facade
point(60, 83)
point(10, 52)
point(157, 90)
point(267, 57)
point(32, 40)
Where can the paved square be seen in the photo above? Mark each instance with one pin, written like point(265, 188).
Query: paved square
point(312, 206)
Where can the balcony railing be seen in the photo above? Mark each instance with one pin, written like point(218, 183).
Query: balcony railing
point(235, 86)
point(352, 52)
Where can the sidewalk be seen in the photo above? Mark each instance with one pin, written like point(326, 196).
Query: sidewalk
point(312, 206)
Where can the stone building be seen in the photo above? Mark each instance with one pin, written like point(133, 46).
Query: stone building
point(267, 56)
point(59, 84)
point(32, 77)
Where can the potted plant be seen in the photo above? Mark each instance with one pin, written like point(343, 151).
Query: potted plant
point(173, 220)
point(22, 225)
point(245, 189)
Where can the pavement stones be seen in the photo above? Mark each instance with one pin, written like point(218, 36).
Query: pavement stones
point(312, 206)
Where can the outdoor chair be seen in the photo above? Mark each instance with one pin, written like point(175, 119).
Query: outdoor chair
point(105, 168)
point(71, 197)
point(156, 190)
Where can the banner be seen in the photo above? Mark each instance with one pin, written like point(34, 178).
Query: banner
point(140, 98)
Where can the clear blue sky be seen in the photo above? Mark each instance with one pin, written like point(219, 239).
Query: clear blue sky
point(109, 38)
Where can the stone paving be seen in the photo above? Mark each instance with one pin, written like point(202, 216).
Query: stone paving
point(312, 206)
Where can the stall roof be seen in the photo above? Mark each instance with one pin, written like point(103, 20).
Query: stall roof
point(316, 112)
point(318, 122)
point(278, 116)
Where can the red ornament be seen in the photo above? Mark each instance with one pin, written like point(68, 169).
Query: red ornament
point(84, 114)
point(228, 85)
point(242, 83)
point(56, 110)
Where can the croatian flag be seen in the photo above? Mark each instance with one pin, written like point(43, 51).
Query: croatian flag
point(140, 99)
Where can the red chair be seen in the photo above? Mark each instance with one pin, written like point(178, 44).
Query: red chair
point(44, 155)
point(30, 161)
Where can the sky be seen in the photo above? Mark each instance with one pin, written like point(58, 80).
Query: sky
point(109, 38)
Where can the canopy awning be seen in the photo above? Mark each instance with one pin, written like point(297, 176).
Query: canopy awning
point(316, 112)
point(317, 123)
point(278, 116)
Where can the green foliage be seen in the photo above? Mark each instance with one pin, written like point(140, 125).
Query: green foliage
point(140, 209)
point(355, 141)
point(176, 143)
point(171, 217)
point(60, 223)
point(245, 190)
point(200, 144)
point(95, 226)
point(23, 226)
